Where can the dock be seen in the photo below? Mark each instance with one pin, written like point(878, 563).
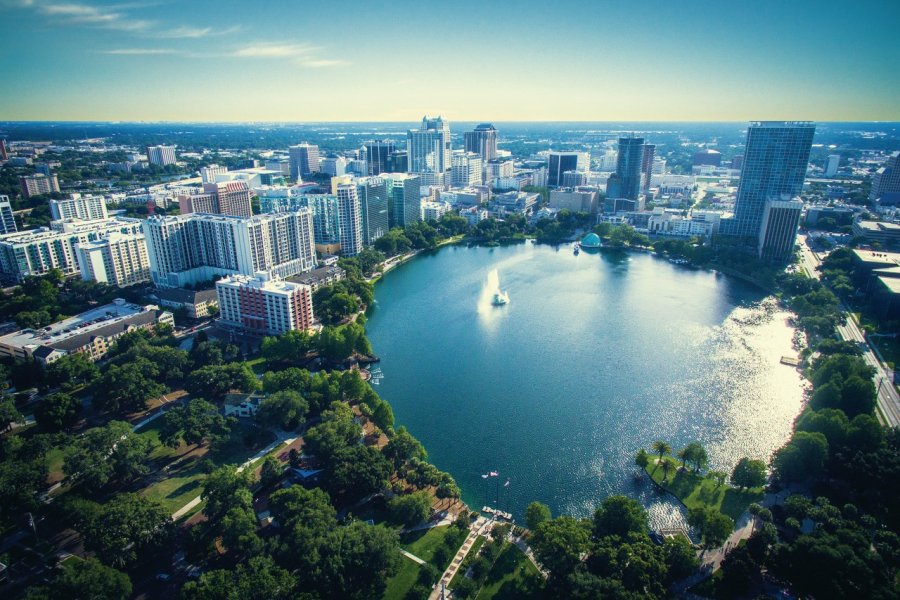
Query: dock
point(499, 514)
point(790, 361)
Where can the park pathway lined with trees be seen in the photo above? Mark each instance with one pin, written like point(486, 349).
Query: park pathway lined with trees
point(481, 526)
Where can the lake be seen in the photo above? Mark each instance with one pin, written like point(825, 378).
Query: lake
point(594, 357)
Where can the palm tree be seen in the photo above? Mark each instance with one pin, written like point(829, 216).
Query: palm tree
point(666, 466)
point(662, 448)
point(684, 455)
point(641, 459)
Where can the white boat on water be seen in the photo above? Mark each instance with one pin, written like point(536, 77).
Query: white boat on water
point(500, 298)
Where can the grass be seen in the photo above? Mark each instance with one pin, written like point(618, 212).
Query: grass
point(467, 562)
point(513, 576)
point(424, 544)
point(184, 479)
point(258, 365)
point(696, 491)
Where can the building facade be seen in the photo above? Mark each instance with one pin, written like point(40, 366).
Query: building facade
point(886, 181)
point(37, 184)
point(189, 249)
point(779, 229)
point(429, 146)
point(86, 208)
point(349, 220)
point(7, 218)
point(465, 169)
point(374, 199)
point(304, 160)
point(223, 198)
point(482, 141)
point(629, 163)
point(118, 259)
point(263, 305)
point(161, 155)
point(405, 198)
point(378, 154)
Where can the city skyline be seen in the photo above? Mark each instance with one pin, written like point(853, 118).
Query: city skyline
point(572, 61)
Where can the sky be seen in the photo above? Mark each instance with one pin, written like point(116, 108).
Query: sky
point(510, 60)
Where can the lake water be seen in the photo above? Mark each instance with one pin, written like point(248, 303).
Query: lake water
point(594, 357)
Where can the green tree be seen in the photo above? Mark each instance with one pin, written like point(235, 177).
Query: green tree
point(257, 579)
point(85, 579)
point(559, 544)
point(127, 528)
point(9, 414)
point(58, 411)
point(285, 409)
point(109, 453)
point(271, 471)
point(410, 509)
point(214, 381)
point(662, 448)
point(225, 489)
point(238, 527)
point(403, 447)
point(749, 473)
point(128, 387)
point(713, 526)
point(358, 471)
point(803, 457)
point(621, 516)
point(71, 371)
point(535, 514)
point(198, 422)
point(642, 459)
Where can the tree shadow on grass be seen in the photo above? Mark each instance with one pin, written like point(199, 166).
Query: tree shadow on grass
point(736, 501)
point(186, 487)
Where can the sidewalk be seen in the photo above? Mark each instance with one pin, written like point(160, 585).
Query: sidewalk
point(481, 526)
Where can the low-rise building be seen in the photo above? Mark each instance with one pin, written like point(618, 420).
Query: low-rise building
point(197, 303)
point(886, 234)
point(242, 405)
point(327, 275)
point(264, 305)
point(473, 215)
point(574, 199)
point(92, 333)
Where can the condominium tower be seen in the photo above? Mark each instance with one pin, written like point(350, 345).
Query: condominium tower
point(429, 146)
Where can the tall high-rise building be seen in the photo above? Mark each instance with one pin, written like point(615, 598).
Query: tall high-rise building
point(374, 197)
point(161, 155)
point(398, 162)
point(37, 251)
point(429, 146)
point(350, 220)
point(334, 165)
point(264, 305)
point(405, 205)
point(3, 154)
point(886, 181)
point(482, 141)
point(780, 220)
point(831, 165)
point(38, 183)
point(188, 249)
point(7, 219)
point(560, 162)
point(628, 166)
point(378, 153)
point(209, 174)
point(118, 259)
point(326, 220)
point(304, 160)
point(465, 169)
point(86, 208)
point(776, 156)
point(647, 166)
point(223, 198)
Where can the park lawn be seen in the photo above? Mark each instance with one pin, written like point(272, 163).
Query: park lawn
point(399, 585)
point(513, 576)
point(55, 465)
point(184, 480)
point(697, 491)
point(423, 543)
point(258, 365)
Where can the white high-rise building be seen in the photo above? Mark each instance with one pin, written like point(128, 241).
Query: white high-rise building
point(86, 208)
point(7, 219)
point(350, 221)
point(188, 249)
point(209, 174)
point(118, 259)
point(429, 146)
point(264, 305)
point(831, 166)
point(334, 166)
point(465, 169)
point(161, 155)
point(37, 251)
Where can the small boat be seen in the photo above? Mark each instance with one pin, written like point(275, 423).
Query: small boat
point(500, 298)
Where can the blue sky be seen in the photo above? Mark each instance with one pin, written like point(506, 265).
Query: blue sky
point(302, 60)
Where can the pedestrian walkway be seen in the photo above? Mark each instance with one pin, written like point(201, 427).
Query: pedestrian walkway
point(481, 526)
point(522, 545)
point(412, 557)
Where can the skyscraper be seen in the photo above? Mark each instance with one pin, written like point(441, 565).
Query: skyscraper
point(831, 165)
point(398, 162)
point(405, 205)
point(350, 220)
point(161, 155)
point(628, 166)
point(304, 160)
point(378, 152)
point(429, 146)
point(886, 181)
point(7, 219)
point(465, 169)
point(775, 160)
point(482, 141)
point(560, 162)
point(647, 166)
point(86, 208)
point(374, 196)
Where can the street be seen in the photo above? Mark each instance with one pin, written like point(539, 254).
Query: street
point(888, 398)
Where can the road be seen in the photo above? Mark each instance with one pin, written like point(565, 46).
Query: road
point(888, 398)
